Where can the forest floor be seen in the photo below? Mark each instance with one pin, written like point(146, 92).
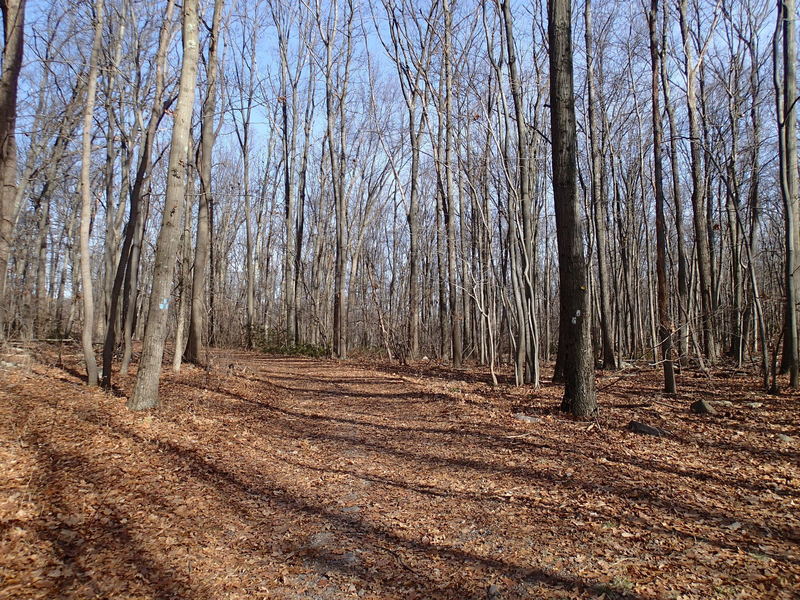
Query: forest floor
point(294, 478)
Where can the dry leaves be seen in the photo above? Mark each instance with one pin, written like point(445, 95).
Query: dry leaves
point(299, 478)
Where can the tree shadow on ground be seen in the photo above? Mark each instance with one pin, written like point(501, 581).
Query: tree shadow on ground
point(312, 426)
point(488, 440)
point(74, 534)
point(371, 535)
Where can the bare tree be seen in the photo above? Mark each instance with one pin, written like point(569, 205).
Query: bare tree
point(786, 108)
point(527, 355)
point(245, 80)
point(336, 69)
point(574, 323)
point(13, 32)
point(86, 199)
point(662, 296)
point(125, 286)
point(145, 392)
point(677, 202)
point(412, 64)
point(598, 195)
point(194, 346)
point(699, 199)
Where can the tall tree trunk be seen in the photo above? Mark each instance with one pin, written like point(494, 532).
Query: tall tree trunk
point(683, 272)
point(337, 150)
point(184, 270)
point(527, 346)
point(662, 294)
point(86, 200)
point(290, 224)
point(194, 346)
point(41, 309)
point(598, 191)
point(245, 110)
point(786, 100)
point(13, 32)
point(753, 202)
point(699, 199)
point(413, 238)
point(126, 276)
point(580, 397)
point(289, 122)
point(301, 199)
point(456, 315)
point(145, 392)
point(113, 215)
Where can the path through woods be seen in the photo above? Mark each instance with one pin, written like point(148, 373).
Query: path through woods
point(297, 478)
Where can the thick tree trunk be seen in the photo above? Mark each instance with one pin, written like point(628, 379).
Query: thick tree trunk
point(13, 31)
point(787, 130)
point(579, 391)
point(456, 316)
point(145, 392)
point(126, 276)
point(86, 200)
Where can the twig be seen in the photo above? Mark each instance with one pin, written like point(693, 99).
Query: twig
point(398, 558)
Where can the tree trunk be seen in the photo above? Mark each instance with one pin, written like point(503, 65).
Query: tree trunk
point(699, 199)
point(145, 392)
point(579, 390)
point(787, 132)
point(184, 289)
point(413, 239)
point(86, 200)
point(662, 294)
point(125, 278)
point(288, 99)
point(456, 315)
point(194, 345)
point(527, 346)
point(683, 276)
point(13, 30)
point(598, 191)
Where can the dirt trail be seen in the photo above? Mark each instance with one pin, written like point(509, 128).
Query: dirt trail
point(297, 478)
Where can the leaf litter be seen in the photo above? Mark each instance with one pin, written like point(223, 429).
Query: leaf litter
point(293, 478)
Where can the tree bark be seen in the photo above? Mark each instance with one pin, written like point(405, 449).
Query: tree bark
point(786, 100)
point(598, 192)
point(145, 392)
point(662, 297)
point(194, 345)
point(699, 200)
point(86, 201)
point(456, 316)
point(126, 276)
point(579, 390)
point(527, 338)
point(683, 271)
point(183, 271)
point(13, 31)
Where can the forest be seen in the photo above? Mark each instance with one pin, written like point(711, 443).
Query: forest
point(469, 299)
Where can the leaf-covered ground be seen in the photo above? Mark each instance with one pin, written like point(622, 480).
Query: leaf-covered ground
point(294, 478)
